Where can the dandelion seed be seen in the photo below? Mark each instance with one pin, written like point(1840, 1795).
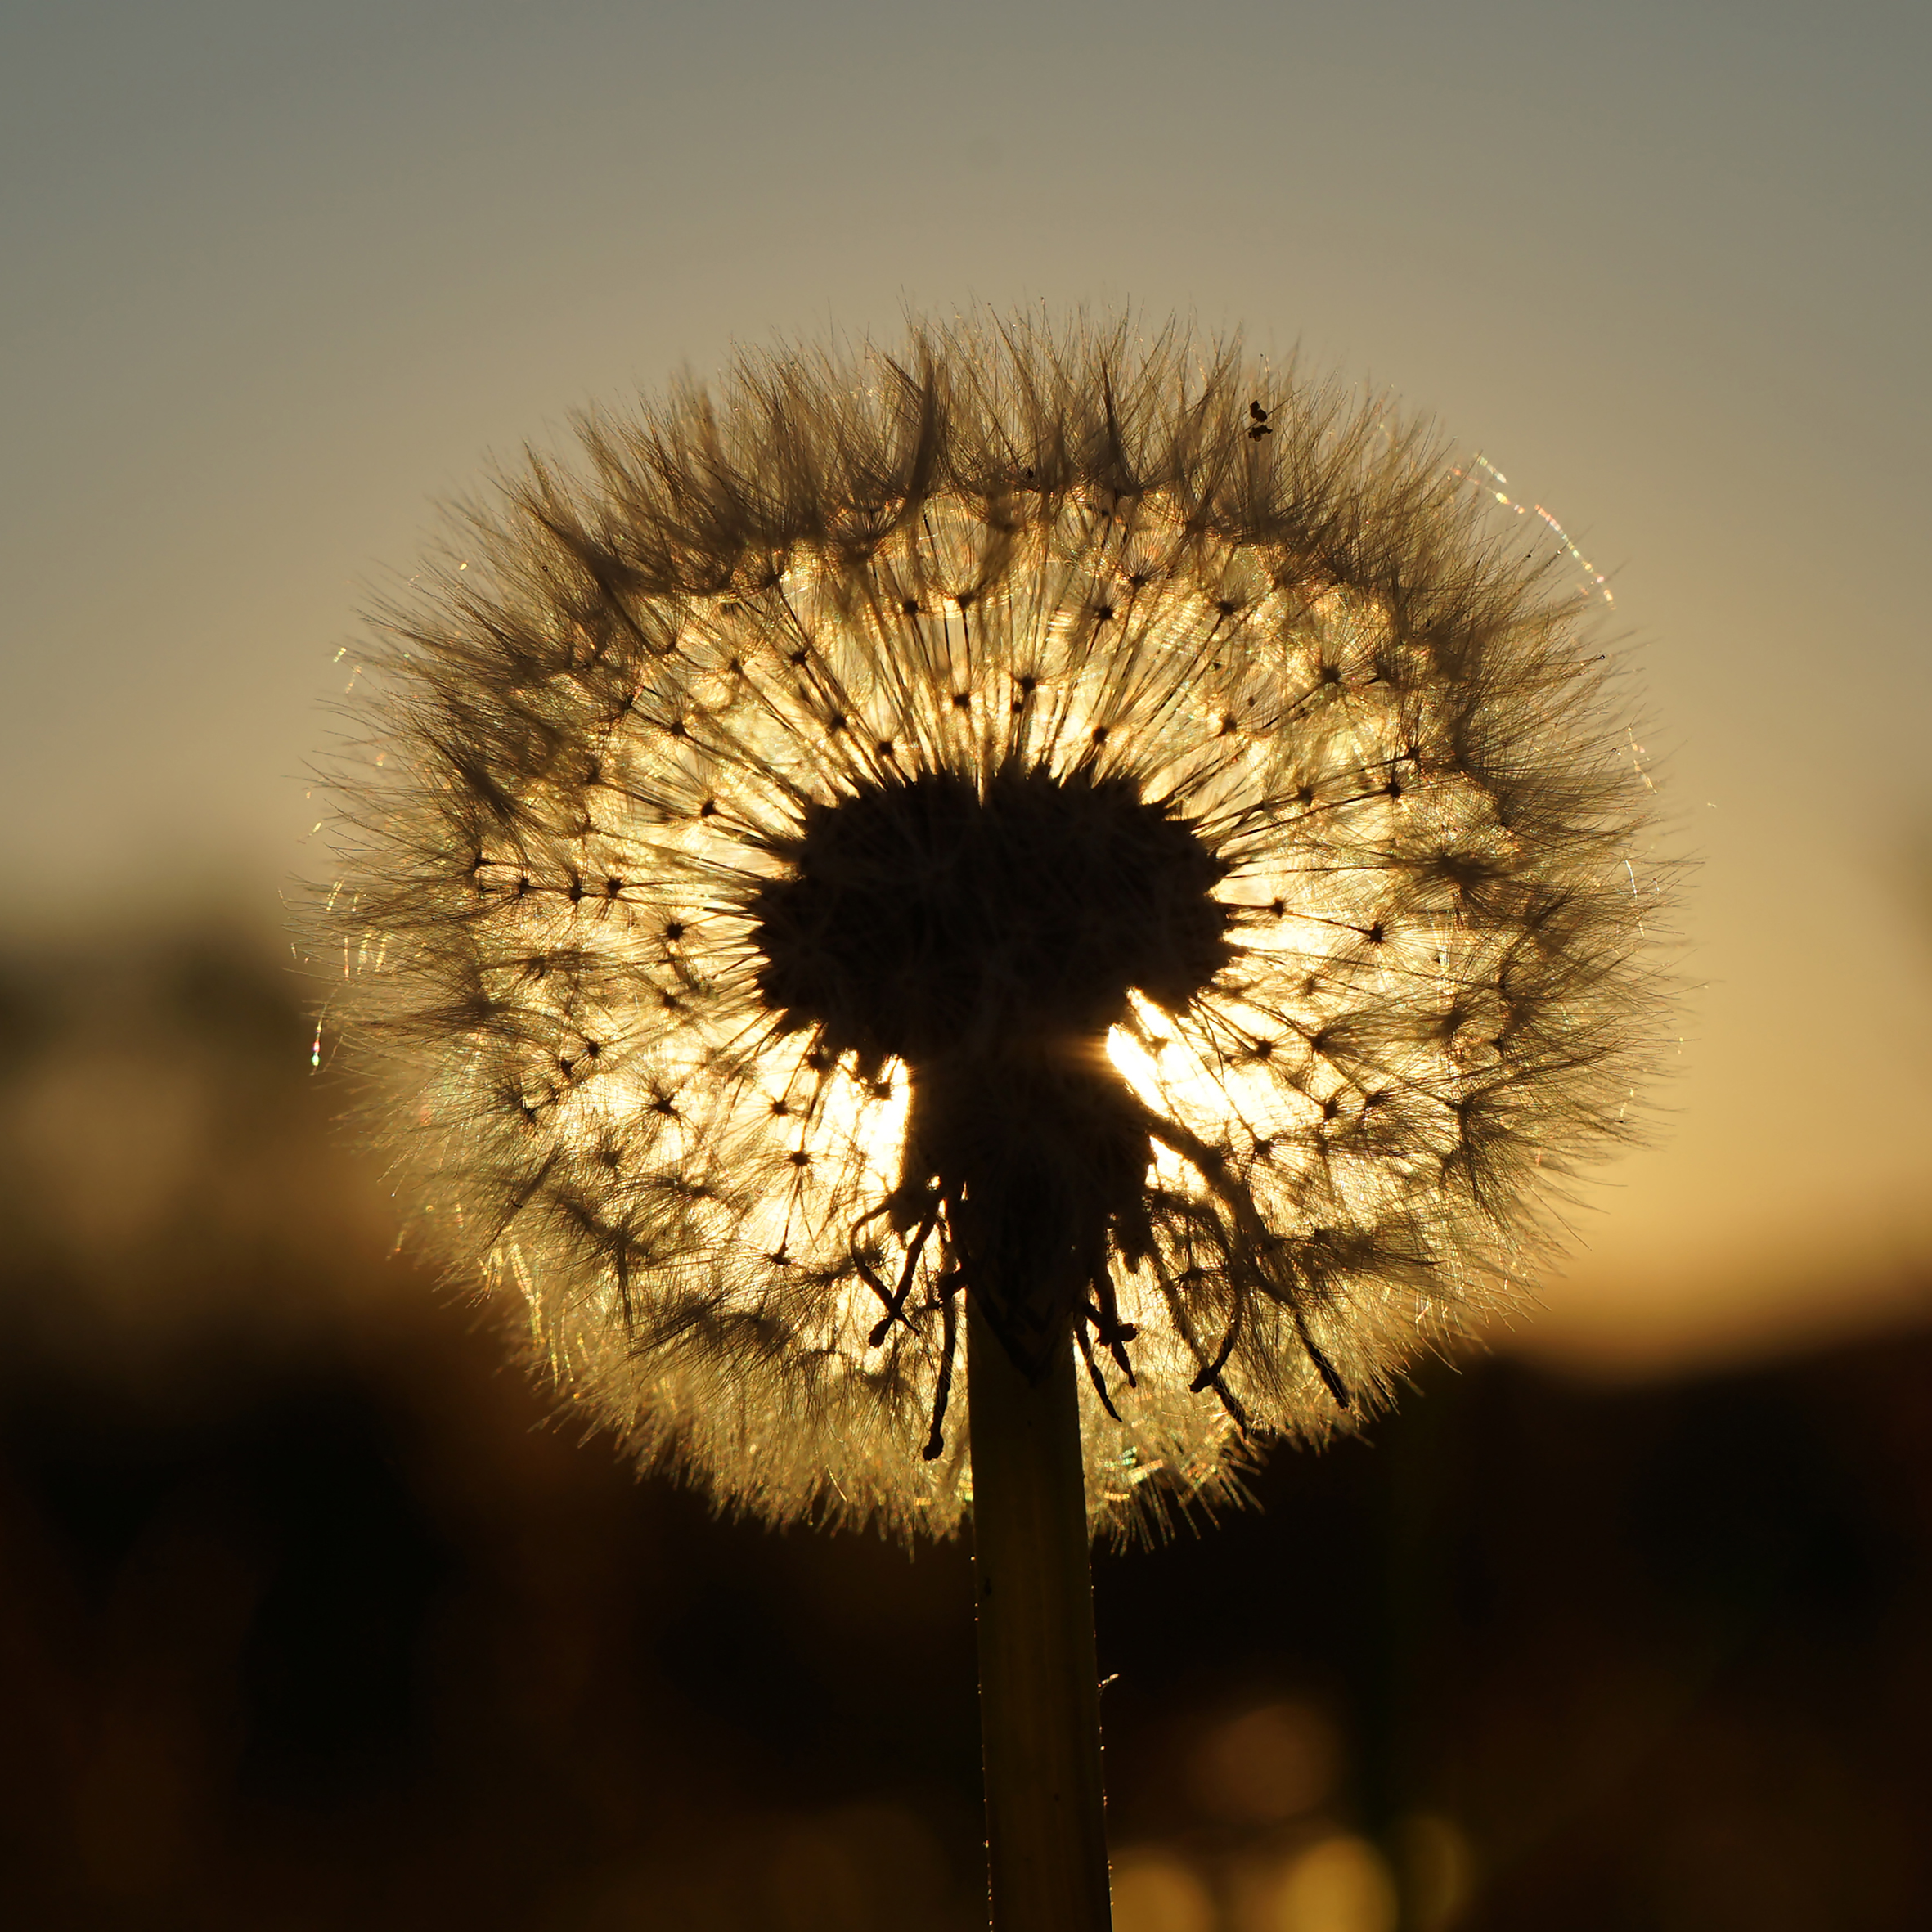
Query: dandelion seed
point(852, 753)
point(1092, 873)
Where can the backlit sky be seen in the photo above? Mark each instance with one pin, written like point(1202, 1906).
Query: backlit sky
point(276, 276)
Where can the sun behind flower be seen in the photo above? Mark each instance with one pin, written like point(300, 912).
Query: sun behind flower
point(1083, 824)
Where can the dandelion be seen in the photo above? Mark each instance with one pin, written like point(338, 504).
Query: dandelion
point(988, 927)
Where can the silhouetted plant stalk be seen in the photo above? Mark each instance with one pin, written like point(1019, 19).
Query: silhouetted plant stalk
point(1072, 851)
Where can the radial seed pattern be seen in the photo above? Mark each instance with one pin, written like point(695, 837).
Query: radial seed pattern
point(1400, 984)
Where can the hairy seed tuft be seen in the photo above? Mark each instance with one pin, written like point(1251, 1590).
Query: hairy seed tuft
point(1086, 824)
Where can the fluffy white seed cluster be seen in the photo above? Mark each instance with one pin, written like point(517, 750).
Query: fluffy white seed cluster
point(672, 918)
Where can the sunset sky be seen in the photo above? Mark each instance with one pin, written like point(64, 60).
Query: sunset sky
point(280, 277)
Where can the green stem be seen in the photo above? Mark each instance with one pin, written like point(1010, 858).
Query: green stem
point(1039, 1690)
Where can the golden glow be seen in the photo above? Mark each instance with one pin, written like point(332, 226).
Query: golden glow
point(625, 726)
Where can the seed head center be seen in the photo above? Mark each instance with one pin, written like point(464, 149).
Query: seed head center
point(928, 917)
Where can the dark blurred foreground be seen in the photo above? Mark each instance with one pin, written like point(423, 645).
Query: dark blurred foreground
point(310, 1618)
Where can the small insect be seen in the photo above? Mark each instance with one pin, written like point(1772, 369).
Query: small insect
point(1261, 427)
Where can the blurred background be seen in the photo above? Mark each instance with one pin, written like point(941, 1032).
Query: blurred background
point(311, 1613)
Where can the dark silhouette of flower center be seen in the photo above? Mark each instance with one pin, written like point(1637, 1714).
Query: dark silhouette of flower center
point(988, 940)
point(925, 918)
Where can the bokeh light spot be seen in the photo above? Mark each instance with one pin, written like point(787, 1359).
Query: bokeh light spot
point(1275, 1761)
point(1154, 1892)
point(1340, 1884)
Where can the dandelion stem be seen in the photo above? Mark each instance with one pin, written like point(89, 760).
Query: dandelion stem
point(1039, 1689)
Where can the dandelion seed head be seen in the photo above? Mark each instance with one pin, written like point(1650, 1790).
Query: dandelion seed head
point(982, 820)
